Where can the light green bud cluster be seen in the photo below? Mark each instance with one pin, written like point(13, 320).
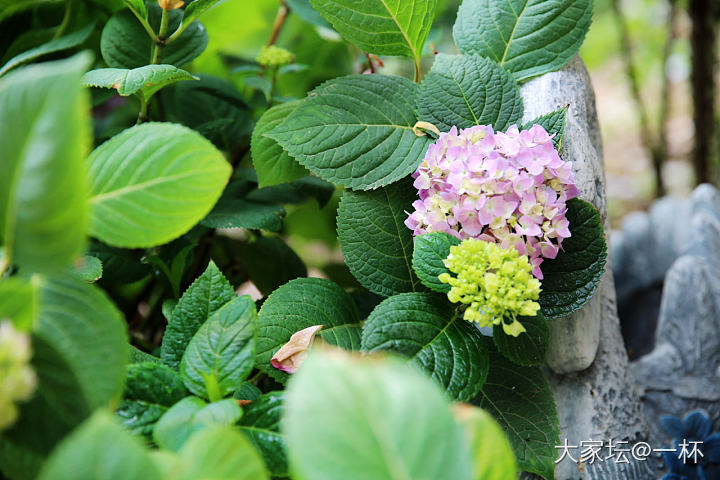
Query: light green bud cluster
point(495, 283)
point(272, 56)
point(17, 378)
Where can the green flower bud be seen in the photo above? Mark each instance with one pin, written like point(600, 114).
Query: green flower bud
point(495, 282)
point(272, 56)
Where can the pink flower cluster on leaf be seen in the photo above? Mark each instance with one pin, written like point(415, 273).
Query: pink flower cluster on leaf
point(507, 188)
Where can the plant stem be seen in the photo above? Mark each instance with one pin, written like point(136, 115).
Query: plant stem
point(280, 18)
point(142, 116)
point(416, 78)
point(162, 34)
point(371, 64)
point(65, 21)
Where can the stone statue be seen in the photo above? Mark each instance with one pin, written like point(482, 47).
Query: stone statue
point(597, 397)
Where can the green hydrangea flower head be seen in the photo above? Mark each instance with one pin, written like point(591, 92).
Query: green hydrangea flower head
point(495, 283)
point(17, 378)
point(272, 56)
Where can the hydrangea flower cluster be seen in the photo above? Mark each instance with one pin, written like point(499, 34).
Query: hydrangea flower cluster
point(17, 378)
point(494, 282)
point(272, 56)
point(506, 188)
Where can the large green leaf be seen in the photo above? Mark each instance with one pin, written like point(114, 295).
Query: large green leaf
point(190, 415)
point(231, 212)
point(429, 254)
point(520, 399)
point(384, 27)
point(299, 304)
point(572, 278)
point(270, 263)
point(492, 455)
point(530, 347)
point(553, 123)
point(207, 294)
point(100, 449)
point(150, 389)
point(464, 91)
point(356, 131)
point(43, 212)
point(304, 10)
point(375, 242)
point(261, 424)
point(213, 107)
point(425, 328)
point(79, 355)
point(272, 163)
point(220, 355)
point(361, 418)
point(152, 183)
point(145, 80)
point(65, 42)
point(527, 37)
point(125, 43)
point(219, 452)
point(18, 302)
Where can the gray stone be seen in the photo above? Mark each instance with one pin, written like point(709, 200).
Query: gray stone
point(594, 389)
point(681, 373)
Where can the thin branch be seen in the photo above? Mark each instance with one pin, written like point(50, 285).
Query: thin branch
point(280, 18)
point(371, 64)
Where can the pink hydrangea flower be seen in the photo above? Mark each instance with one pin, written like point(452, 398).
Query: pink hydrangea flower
point(508, 188)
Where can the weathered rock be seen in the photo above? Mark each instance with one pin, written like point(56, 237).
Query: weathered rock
point(594, 390)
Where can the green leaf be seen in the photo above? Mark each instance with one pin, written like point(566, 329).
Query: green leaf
point(299, 304)
point(572, 278)
point(119, 265)
point(137, 7)
point(219, 452)
point(304, 10)
point(150, 389)
point(530, 347)
point(429, 254)
point(272, 163)
point(145, 80)
point(152, 183)
point(88, 268)
point(222, 349)
point(43, 212)
point(125, 43)
point(193, 11)
point(100, 448)
point(65, 42)
point(213, 107)
point(520, 399)
point(191, 415)
point(492, 455)
point(232, 212)
point(358, 418)
point(527, 37)
point(18, 302)
point(261, 425)
point(553, 123)
point(79, 355)
point(356, 131)
point(427, 330)
point(296, 192)
point(138, 356)
point(247, 391)
point(207, 294)
point(270, 262)
point(464, 91)
point(375, 242)
point(384, 27)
